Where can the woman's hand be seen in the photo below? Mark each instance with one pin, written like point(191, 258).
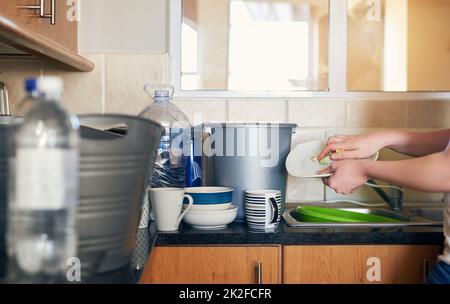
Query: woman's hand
point(347, 176)
point(353, 146)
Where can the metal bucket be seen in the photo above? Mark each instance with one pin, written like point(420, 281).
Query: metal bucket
point(6, 131)
point(241, 161)
point(113, 177)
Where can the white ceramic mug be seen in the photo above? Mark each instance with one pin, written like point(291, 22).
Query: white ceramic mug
point(167, 204)
point(269, 212)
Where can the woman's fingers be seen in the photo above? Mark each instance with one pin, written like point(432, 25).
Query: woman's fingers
point(346, 154)
point(331, 148)
point(328, 170)
point(331, 143)
point(336, 139)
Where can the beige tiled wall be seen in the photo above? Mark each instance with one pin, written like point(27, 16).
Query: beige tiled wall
point(116, 86)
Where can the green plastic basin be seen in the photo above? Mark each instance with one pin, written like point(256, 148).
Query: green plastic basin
point(313, 214)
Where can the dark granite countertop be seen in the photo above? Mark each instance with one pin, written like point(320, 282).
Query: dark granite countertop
point(239, 234)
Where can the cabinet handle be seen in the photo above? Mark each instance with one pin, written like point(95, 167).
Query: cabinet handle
point(424, 270)
point(41, 8)
point(259, 273)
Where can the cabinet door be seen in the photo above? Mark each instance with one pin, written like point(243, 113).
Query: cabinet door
point(65, 30)
point(357, 264)
point(23, 17)
point(213, 265)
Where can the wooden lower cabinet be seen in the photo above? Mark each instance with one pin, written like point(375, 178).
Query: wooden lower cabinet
point(349, 264)
point(358, 264)
point(213, 265)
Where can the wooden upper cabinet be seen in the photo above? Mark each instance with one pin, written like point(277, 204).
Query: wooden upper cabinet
point(22, 17)
point(358, 264)
point(26, 31)
point(64, 31)
point(213, 265)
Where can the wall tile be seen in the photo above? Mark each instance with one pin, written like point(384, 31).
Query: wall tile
point(83, 91)
point(303, 135)
point(116, 85)
point(205, 110)
point(409, 195)
point(366, 194)
point(257, 111)
point(304, 190)
point(13, 74)
point(318, 113)
point(376, 114)
point(348, 131)
point(126, 75)
point(428, 114)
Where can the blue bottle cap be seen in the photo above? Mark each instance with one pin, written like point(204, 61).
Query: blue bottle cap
point(30, 85)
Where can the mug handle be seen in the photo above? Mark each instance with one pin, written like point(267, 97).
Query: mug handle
point(191, 202)
point(274, 204)
point(151, 216)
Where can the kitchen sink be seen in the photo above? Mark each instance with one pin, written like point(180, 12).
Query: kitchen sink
point(407, 217)
point(434, 214)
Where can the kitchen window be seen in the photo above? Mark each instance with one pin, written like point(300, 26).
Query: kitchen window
point(398, 45)
point(301, 48)
point(253, 45)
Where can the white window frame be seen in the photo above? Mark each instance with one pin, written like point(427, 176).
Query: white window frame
point(337, 67)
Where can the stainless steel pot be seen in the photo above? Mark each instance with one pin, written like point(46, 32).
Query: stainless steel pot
point(113, 177)
point(247, 156)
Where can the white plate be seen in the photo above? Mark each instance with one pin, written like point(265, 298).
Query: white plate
point(258, 208)
point(263, 214)
point(261, 198)
point(208, 207)
point(255, 209)
point(299, 162)
point(262, 192)
point(210, 227)
point(253, 224)
point(208, 190)
point(211, 219)
point(261, 203)
point(263, 208)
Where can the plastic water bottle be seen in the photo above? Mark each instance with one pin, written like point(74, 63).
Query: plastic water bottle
point(24, 106)
point(174, 147)
point(44, 190)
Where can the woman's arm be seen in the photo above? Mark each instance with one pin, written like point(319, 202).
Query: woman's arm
point(362, 146)
point(430, 173)
point(418, 143)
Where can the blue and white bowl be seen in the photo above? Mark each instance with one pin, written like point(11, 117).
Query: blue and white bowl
point(210, 198)
point(210, 195)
